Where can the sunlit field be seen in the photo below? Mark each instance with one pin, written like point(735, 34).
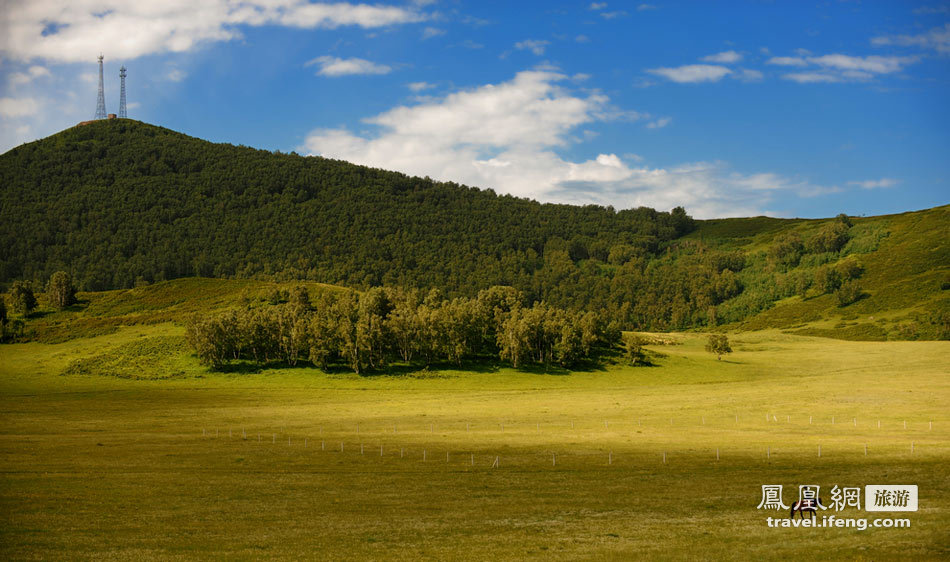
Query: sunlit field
point(622, 462)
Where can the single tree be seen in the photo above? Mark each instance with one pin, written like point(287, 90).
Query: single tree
point(60, 290)
point(22, 299)
point(718, 344)
point(633, 349)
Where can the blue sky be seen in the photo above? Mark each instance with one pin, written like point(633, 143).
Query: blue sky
point(729, 109)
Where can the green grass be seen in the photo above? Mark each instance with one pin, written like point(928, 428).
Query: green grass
point(906, 261)
point(97, 465)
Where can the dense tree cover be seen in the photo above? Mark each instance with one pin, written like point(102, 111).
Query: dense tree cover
point(372, 329)
point(119, 201)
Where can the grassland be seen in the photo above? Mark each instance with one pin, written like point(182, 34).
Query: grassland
point(905, 283)
point(98, 464)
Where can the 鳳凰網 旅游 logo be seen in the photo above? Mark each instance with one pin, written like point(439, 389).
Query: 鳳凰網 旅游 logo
point(810, 503)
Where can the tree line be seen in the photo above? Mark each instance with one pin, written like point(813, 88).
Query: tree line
point(373, 329)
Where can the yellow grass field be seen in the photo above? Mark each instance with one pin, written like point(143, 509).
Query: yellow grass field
point(249, 464)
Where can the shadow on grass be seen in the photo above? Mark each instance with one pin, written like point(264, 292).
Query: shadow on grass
point(415, 370)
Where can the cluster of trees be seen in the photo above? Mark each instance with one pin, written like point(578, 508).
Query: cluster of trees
point(382, 325)
point(838, 278)
point(22, 302)
point(10, 328)
point(60, 291)
point(22, 299)
point(788, 249)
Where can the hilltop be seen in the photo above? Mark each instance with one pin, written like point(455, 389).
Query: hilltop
point(123, 204)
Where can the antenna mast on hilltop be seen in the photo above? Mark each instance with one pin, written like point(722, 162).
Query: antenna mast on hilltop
point(122, 113)
point(101, 103)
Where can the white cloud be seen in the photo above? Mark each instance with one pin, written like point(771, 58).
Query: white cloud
point(787, 61)
point(841, 68)
point(430, 32)
point(937, 39)
point(536, 46)
point(469, 44)
point(875, 64)
point(645, 7)
point(875, 184)
point(659, 123)
point(506, 136)
point(929, 10)
point(176, 75)
point(32, 73)
point(420, 86)
point(692, 73)
point(334, 66)
point(749, 75)
point(612, 15)
point(78, 30)
point(582, 39)
point(18, 107)
point(812, 77)
point(725, 57)
point(597, 5)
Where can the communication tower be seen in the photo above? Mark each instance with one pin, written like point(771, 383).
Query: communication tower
point(122, 112)
point(101, 102)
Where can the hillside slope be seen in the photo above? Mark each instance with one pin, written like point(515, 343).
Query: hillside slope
point(122, 203)
point(904, 282)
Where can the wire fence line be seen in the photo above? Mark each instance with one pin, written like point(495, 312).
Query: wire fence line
point(406, 447)
point(612, 427)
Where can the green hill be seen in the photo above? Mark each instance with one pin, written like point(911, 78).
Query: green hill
point(122, 204)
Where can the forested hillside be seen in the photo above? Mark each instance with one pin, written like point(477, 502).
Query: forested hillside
point(121, 203)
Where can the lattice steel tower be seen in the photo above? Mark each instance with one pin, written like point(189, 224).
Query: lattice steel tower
point(122, 113)
point(101, 103)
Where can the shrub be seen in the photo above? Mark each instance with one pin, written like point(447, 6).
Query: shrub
point(829, 238)
point(827, 280)
point(787, 250)
point(848, 293)
point(849, 268)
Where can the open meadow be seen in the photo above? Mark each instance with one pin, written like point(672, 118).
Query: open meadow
point(612, 463)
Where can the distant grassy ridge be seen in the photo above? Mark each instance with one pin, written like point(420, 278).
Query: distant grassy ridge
point(905, 283)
